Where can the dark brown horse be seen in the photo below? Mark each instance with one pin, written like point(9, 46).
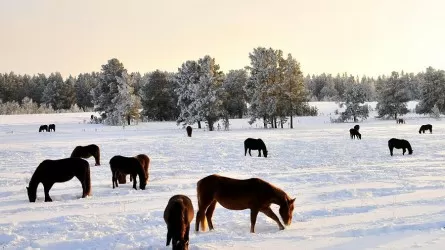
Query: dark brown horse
point(255, 144)
point(178, 214)
point(254, 194)
point(189, 131)
point(52, 127)
point(51, 171)
point(144, 160)
point(87, 152)
point(399, 143)
point(355, 134)
point(43, 128)
point(127, 165)
point(426, 127)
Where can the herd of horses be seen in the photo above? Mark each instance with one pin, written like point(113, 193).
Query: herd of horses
point(233, 194)
point(394, 142)
point(47, 128)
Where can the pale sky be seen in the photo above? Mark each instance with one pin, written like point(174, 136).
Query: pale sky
point(360, 37)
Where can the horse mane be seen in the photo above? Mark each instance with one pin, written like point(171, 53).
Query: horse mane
point(408, 145)
point(177, 222)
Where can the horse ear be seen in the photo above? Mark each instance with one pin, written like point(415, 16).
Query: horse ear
point(292, 200)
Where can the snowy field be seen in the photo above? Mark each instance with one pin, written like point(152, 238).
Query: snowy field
point(350, 194)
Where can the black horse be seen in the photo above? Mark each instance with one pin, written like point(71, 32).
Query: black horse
point(189, 131)
point(51, 171)
point(399, 143)
point(52, 127)
point(255, 144)
point(426, 127)
point(87, 152)
point(127, 165)
point(400, 121)
point(43, 128)
point(355, 134)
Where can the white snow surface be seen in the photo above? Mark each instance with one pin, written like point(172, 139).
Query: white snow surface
point(350, 194)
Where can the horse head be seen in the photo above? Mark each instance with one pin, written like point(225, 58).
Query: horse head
point(32, 196)
point(181, 244)
point(286, 211)
point(265, 153)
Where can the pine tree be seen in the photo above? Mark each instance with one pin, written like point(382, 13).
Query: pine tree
point(355, 97)
point(432, 91)
point(392, 95)
point(159, 100)
point(234, 96)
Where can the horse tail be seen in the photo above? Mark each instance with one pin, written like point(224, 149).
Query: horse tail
point(87, 180)
point(200, 215)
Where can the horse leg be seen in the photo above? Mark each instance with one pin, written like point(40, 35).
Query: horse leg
point(404, 150)
point(259, 152)
point(253, 215)
point(249, 152)
point(269, 213)
point(245, 151)
point(46, 188)
point(209, 214)
point(203, 203)
point(390, 150)
point(134, 180)
point(114, 179)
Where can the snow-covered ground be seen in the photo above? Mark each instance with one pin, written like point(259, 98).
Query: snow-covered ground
point(350, 194)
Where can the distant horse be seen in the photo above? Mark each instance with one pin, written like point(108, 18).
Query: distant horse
point(127, 165)
point(357, 127)
point(43, 128)
point(178, 214)
point(255, 144)
point(51, 171)
point(52, 127)
point(355, 134)
point(189, 131)
point(144, 160)
point(400, 121)
point(87, 152)
point(234, 194)
point(426, 127)
point(399, 143)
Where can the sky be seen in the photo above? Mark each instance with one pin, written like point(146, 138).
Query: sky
point(366, 37)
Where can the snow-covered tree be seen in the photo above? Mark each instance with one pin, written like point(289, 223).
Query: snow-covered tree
point(355, 97)
point(125, 103)
point(392, 96)
point(234, 96)
point(159, 100)
point(261, 88)
point(432, 91)
point(187, 79)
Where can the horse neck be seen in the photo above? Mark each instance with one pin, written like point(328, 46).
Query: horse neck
point(279, 196)
point(177, 222)
point(35, 180)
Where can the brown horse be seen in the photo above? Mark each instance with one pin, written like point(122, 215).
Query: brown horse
point(127, 165)
point(189, 131)
point(51, 171)
point(178, 214)
point(144, 160)
point(234, 194)
point(87, 152)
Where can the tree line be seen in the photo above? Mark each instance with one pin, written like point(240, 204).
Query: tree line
point(272, 88)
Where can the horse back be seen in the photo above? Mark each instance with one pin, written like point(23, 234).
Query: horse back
point(237, 194)
point(179, 204)
point(125, 165)
point(61, 170)
point(254, 143)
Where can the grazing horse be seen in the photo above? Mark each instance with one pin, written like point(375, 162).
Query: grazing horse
point(189, 131)
point(426, 127)
point(51, 171)
point(255, 144)
point(400, 121)
point(127, 165)
point(234, 194)
point(357, 127)
point(355, 134)
point(177, 215)
point(87, 152)
point(144, 160)
point(399, 143)
point(43, 128)
point(52, 127)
